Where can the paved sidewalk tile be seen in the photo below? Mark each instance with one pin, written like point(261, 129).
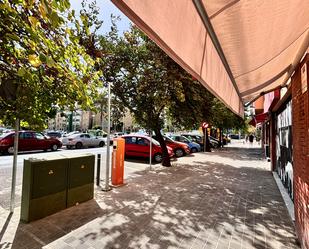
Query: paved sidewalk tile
point(223, 199)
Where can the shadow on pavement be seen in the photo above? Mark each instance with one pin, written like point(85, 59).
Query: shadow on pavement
point(202, 205)
point(241, 153)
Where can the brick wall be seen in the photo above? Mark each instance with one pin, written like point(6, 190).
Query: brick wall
point(300, 126)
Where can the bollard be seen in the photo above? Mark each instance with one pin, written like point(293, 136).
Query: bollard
point(98, 169)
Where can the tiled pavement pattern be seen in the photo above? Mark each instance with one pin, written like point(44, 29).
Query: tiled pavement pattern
point(224, 199)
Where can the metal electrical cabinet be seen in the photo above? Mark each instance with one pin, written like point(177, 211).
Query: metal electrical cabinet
point(53, 184)
point(80, 179)
point(44, 188)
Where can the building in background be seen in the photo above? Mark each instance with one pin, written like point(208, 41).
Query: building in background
point(85, 120)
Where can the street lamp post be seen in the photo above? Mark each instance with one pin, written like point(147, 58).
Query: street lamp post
point(12, 202)
point(150, 149)
point(108, 139)
point(92, 123)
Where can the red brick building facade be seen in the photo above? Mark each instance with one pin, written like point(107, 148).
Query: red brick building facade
point(300, 123)
point(286, 132)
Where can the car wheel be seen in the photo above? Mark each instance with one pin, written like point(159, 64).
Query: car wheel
point(10, 150)
point(179, 152)
point(69, 146)
point(158, 157)
point(101, 144)
point(193, 150)
point(54, 147)
point(78, 145)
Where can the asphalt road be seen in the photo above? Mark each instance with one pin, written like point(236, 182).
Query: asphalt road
point(6, 162)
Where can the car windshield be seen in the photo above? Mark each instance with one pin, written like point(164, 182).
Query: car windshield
point(4, 135)
point(188, 137)
point(168, 139)
point(74, 135)
point(184, 139)
point(155, 142)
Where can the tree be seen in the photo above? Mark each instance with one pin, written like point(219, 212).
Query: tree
point(202, 106)
point(223, 118)
point(146, 82)
point(197, 102)
point(42, 65)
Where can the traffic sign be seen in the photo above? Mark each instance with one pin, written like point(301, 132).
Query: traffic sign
point(205, 125)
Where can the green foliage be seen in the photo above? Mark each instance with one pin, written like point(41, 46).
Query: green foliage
point(42, 64)
point(224, 118)
point(147, 79)
point(194, 109)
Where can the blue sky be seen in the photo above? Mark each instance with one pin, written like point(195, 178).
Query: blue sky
point(106, 9)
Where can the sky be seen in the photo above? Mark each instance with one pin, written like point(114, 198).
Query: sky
point(106, 9)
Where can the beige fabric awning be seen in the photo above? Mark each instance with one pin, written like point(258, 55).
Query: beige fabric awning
point(235, 48)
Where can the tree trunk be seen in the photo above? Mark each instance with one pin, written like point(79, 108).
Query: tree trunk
point(166, 159)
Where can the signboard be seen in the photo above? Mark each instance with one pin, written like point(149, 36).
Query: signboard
point(303, 76)
point(205, 125)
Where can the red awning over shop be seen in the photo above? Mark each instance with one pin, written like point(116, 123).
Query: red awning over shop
point(236, 49)
point(260, 118)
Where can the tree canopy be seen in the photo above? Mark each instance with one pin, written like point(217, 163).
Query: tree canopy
point(42, 64)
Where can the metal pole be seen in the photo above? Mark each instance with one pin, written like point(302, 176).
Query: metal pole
point(74, 121)
point(123, 126)
point(150, 150)
point(108, 139)
point(12, 203)
point(205, 138)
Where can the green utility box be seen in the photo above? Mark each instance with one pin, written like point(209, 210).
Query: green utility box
point(80, 179)
point(53, 184)
point(44, 188)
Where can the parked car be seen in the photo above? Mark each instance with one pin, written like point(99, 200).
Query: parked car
point(70, 133)
point(214, 143)
point(97, 133)
point(180, 149)
point(28, 140)
point(194, 138)
point(234, 136)
point(139, 146)
point(54, 134)
point(82, 140)
point(194, 147)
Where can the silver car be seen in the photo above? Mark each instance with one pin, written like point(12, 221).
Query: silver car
point(82, 140)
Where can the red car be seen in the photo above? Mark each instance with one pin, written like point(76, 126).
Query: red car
point(28, 140)
point(138, 145)
point(180, 149)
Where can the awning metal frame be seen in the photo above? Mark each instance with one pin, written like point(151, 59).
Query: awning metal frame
point(206, 20)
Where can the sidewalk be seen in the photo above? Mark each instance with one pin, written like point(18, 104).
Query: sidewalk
point(223, 199)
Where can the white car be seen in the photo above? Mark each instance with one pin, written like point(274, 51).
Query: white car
point(82, 140)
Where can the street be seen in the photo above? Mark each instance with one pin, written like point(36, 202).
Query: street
point(6, 162)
